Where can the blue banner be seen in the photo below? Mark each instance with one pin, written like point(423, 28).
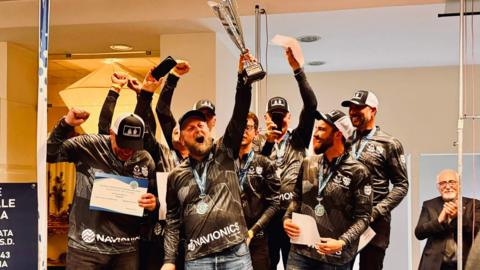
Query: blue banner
point(18, 226)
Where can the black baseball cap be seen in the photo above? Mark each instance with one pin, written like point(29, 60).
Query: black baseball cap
point(192, 113)
point(204, 104)
point(129, 129)
point(338, 119)
point(362, 98)
point(277, 104)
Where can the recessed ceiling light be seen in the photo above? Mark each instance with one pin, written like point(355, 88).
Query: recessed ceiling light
point(308, 38)
point(121, 47)
point(316, 63)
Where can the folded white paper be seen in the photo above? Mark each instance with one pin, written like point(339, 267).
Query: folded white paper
point(289, 42)
point(309, 234)
point(162, 194)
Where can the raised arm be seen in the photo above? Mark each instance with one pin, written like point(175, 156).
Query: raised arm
point(302, 134)
point(163, 109)
point(243, 97)
point(58, 148)
point(119, 80)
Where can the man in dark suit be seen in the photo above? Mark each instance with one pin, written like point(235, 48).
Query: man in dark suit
point(438, 224)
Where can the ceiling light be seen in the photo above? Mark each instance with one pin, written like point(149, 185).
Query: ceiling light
point(121, 47)
point(316, 63)
point(308, 38)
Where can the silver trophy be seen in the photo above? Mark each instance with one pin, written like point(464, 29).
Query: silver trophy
point(226, 11)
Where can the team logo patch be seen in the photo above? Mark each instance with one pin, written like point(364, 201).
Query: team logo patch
point(337, 179)
point(259, 170)
point(367, 190)
point(132, 131)
point(88, 236)
point(370, 147)
point(251, 170)
point(145, 171)
point(380, 149)
point(136, 170)
point(346, 181)
point(402, 159)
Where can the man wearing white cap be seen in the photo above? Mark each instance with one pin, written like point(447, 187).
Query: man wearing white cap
point(384, 157)
point(334, 189)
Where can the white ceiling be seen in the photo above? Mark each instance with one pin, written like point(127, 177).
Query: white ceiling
point(368, 35)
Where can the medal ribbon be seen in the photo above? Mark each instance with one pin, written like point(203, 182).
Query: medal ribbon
point(280, 147)
point(322, 181)
point(202, 181)
point(242, 175)
point(363, 143)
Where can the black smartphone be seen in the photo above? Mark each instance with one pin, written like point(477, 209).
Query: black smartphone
point(163, 68)
point(277, 118)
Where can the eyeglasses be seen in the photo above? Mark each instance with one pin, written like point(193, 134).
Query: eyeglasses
point(249, 127)
point(443, 184)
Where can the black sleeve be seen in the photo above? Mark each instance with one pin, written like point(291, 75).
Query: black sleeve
point(57, 150)
point(267, 149)
point(428, 224)
point(234, 131)
point(362, 208)
point(163, 109)
point(106, 114)
point(296, 202)
point(174, 216)
point(397, 173)
point(272, 193)
point(471, 212)
point(144, 110)
point(302, 134)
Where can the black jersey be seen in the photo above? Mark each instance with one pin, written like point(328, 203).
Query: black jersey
point(260, 190)
point(383, 155)
point(289, 153)
point(98, 231)
point(215, 222)
point(346, 203)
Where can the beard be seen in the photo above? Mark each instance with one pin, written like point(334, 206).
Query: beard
point(324, 146)
point(200, 146)
point(359, 121)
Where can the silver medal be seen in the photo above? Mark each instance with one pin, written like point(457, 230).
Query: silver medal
point(202, 208)
point(319, 210)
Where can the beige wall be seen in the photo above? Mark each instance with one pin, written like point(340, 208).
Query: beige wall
point(199, 50)
point(18, 84)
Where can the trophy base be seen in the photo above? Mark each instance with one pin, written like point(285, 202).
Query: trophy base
point(253, 72)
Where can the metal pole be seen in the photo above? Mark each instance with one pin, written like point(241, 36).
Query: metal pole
point(258, 31)
point(42, 189)
point(460, 140)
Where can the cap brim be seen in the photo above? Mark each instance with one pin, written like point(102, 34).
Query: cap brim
point(320, 116)
point(193, 113)
point(278, 109)
point(130, 144)
point(347, 103)
point(210, 110)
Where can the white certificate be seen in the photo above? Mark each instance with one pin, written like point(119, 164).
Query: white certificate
point(365, 238)
point(162, 194)
point(118, 194)
point(309, 234)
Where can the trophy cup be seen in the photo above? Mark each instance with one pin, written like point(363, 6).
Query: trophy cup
point(226, 11)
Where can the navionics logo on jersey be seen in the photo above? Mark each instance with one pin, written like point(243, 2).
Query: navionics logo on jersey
point(89, 236)
point(202, 240)
point(287, 196)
